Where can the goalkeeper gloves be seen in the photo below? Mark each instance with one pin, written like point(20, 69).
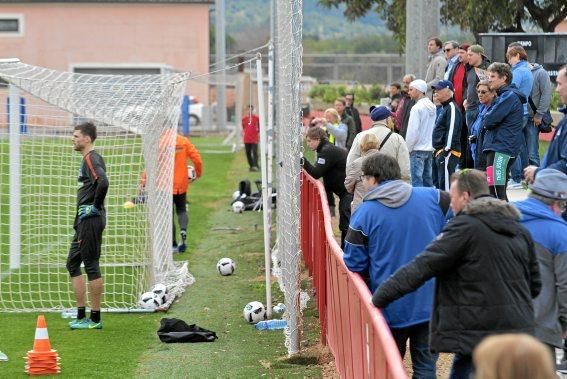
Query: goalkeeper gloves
point(87, 211)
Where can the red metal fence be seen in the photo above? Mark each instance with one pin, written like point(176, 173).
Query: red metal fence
point(351, 326)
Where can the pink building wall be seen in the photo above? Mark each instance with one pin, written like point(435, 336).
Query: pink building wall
point(61, 36)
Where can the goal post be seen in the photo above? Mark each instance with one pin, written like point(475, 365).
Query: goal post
point(136, 118)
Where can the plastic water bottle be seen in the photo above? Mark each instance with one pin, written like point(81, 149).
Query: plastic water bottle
point(271, 325)
point(279, 308)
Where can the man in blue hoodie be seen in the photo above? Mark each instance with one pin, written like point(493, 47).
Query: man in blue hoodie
point(503, 124)
point(541, 216)
point(523, 79)
point(375, 246)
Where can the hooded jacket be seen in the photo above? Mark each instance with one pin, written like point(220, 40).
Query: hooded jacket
point(435, 69)
point(549, 233)
point(486, 275)
point(420, 125)
point(541, 90)
point(503, 123)
point(393, 224)
point(395, 147)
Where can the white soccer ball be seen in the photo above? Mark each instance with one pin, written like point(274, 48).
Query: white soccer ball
point(191, 173)
point(226, 266)
point(235, 195)
point(150, 300)
point(238, 207)
point(160, 290)
point(254, 312)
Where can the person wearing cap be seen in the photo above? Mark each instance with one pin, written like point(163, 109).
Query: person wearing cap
point(330, 164)
point(451, 50)
point(476, 66)
point(437, 63)
point(503, 138)
point(394, 223)
point(523, 79)
point(486, 272)
point(547, 197)
point(418, 138)
point(446, 138)
point(389, 143)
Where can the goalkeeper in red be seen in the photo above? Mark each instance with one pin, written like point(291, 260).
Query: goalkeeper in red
point(90, 220)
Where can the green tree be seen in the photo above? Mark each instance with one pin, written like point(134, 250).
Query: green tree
point(478, 16)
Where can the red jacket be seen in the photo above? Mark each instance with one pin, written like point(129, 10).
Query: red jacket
point(250, 128)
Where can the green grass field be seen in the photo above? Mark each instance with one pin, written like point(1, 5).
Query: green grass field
point(128, 346)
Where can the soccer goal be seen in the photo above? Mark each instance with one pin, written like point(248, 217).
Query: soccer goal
point(136, 117)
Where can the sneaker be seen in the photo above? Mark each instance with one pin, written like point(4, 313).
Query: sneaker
point(77, 321)
point(183, 236)
point(174, 249)
point(181, 248)
point(87, 324)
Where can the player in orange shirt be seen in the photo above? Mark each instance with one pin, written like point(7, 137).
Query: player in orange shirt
point(184, 150)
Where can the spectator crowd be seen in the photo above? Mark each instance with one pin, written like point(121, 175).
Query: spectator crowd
point(424, 213)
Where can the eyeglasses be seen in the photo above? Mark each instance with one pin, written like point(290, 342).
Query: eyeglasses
point(446, 50)
point(482, 92)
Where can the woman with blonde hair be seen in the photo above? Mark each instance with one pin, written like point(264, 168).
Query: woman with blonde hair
point(335, 128)
point(513, 356)
point(353, 182)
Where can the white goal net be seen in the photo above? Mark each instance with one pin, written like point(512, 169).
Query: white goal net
point(136, 118)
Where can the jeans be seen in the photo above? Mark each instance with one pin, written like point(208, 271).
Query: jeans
point(462, 367)
point(421, 165)
point(531, 133)
point(422, 360)
point(521, 158)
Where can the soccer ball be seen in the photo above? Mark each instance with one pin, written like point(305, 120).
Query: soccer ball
point(160, 290)
point(254, 312)
point(191, 173)
point(226, 266)
point(128, 205)
point(150, 300)
point(235, 195)
point(238, 207)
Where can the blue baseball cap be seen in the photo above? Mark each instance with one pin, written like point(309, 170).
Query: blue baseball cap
point(443, 84)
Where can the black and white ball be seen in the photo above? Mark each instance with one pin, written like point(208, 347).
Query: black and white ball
point(160, 290)
point(226, 266)
point(150, 300)
point(254, 312)
point(238, 207)
point(235, 195)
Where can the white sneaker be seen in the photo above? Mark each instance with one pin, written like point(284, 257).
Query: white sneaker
point(512, 185)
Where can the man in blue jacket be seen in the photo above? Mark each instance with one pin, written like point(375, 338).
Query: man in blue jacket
point(503, 124)
point(523, 79)
point(376, 246)
point(556, 156)
point(541, 216)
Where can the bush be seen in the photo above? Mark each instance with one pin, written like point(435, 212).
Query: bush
point(328, 93)
point(555, 101)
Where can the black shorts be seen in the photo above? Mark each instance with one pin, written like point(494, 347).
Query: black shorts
point(180, 202)
point(86, 246)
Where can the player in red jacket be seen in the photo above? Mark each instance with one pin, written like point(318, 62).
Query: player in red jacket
point(250, 132)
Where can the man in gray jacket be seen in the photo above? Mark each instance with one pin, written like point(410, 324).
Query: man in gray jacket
point(437, 63)
point(541, 215)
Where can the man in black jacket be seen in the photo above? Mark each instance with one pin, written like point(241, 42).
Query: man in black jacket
point(353, 112)
point(331, 165)
point(486, 269)
point(446, 138)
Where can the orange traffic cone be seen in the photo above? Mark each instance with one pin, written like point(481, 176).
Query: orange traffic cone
point(42, 360)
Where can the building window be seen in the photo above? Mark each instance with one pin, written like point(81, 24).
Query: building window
point(11, 24)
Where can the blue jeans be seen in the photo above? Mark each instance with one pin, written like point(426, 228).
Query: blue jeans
point(462, 367)
point(521, 158)
point(531, 133)
point(421, 165)
point(422, 360)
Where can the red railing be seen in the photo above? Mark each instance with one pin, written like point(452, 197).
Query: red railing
point(351, 326)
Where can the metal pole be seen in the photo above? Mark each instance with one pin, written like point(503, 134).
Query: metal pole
point(270, 129)
point(15, 178)
point(220, 55)
point(265, 201)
